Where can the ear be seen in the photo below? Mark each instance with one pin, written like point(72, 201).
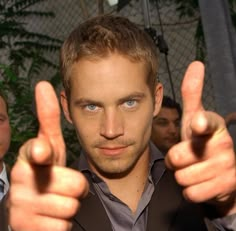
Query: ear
point(158, 95)
point(65, 106)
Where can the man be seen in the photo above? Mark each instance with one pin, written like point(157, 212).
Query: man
point(109, 69)
point(5, 137)
point(166, 125)
point(230, 118)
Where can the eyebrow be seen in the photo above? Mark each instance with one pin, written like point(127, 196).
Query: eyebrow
point(136, 95)
point(160, 118)
point(83, 101)
point(157, 118)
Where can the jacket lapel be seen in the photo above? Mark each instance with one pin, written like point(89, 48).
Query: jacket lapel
point(92, 216)
point(164, 203)
point(3, 214)
point(168, 210)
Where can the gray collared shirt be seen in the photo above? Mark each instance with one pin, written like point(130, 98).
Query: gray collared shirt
point(120, 215)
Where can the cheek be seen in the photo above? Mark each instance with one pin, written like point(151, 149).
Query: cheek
point(159, 132)
point(86, 130)
point(141, 123)
point(5, 137)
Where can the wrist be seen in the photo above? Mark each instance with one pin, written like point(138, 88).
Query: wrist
point(224, 207)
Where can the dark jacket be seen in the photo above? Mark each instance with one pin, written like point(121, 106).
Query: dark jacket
point(168, 210)
point(3, 215)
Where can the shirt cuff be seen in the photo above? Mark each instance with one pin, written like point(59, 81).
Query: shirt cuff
point(227, 222)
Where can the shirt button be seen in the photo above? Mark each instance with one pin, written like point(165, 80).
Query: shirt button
point(111, 197)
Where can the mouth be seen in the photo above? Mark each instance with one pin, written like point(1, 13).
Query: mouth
point(171, 138)
point(112, 151)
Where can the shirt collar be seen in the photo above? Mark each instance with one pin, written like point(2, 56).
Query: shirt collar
point(3, 177)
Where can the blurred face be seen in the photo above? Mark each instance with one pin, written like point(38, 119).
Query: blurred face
point(166, 129)
point(112, 108)
point(5, 131)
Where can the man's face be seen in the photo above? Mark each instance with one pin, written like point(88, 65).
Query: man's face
point(5, 131)
point(166, 129)
point(112, 108)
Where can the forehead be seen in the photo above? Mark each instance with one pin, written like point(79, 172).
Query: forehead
point(107, 76)
point(168, 113)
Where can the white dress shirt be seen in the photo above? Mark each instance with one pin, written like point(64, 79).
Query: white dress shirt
point(3, 177)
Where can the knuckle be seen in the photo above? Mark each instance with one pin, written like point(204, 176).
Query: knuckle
point(174, 157)
point(226, 160)
point(180, 176)
point(190, 195)
point(62, 225)
point(70, 207)
point(226, 142)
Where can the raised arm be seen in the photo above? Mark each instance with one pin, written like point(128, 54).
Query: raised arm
point(204, 161)
point(44, 194)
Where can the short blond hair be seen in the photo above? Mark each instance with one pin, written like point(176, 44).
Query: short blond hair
point(102, 35)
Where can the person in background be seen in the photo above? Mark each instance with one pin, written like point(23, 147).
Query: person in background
point(166, 125)
point(230, 118)
point(5, 138)
point(121, 180)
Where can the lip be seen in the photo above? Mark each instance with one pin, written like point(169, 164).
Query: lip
point(112, 151)
point(172, 140)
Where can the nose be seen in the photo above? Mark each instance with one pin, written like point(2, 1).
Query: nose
point(112, 124)
point(173, 128)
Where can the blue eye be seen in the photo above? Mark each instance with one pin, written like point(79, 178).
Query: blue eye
point(91, 107)
point(130, 103)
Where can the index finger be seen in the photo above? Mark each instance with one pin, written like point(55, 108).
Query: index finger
point(192, 86)
point(191, 91)
point(48, 112)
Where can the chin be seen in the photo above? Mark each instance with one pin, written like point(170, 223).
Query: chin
point(114, 170)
